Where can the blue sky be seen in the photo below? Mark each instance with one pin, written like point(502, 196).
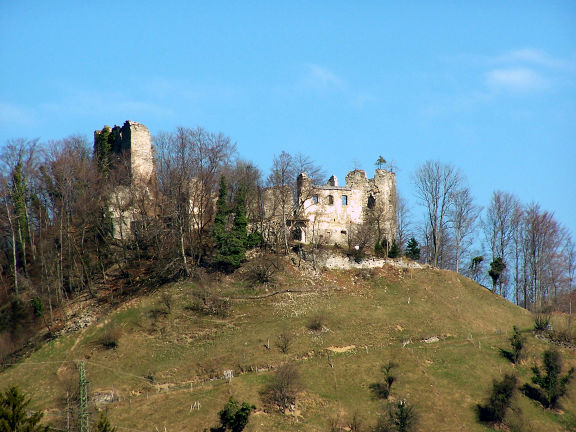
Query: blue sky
point(488, 86)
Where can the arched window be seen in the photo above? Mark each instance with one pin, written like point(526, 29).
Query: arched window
point(330, 199)
point(314, 199)
point(371, 202)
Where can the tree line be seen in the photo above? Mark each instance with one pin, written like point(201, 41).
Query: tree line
point(521, 249)
point(71, 221)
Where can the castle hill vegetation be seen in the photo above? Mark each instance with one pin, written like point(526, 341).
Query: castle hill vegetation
point(165, 283)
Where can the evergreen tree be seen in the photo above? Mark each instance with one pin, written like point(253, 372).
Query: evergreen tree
point(394, 251)
point(552, 386)
point(412, 250)
point(103, 424)
point(234, 416)
point(517, 343)
point(103, 149)
point(499, 402)
point(14, 415)
point(230, 243)
point(497, 267)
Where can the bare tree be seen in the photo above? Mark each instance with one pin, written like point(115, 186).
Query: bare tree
point(463, 216)
point(498, 229)
point(544, 239)
point(190, 162)
point(282, 178)
point(403, 221)
point(435, 185)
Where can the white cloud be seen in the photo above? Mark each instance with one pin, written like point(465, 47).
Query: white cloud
point(320, 77)
point(12, 114)
point(533, 56)
point(515, 79)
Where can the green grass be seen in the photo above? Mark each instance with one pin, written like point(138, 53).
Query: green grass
point(365, 324)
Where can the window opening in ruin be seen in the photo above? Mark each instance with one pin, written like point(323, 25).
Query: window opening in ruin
point(371, 202)
point(330, 199)
point(344, 199)
point(343, 232)
point(314, 199)
point(297, 234)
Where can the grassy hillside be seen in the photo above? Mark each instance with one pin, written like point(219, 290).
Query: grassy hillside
point(157, 358)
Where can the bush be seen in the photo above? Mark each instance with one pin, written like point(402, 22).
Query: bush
point(517, 343)
point(103, 425)
point(37, 306)
point(208, 303)
point(110, 338)
point(541, 322)
point(382, 390)
point(401, 418)
point(394, 251)
point(234, 416)
point(284, 341)
point(552, 386)
point(262, 272)
point(316, 322)
point(499, 402)
point(283, 388)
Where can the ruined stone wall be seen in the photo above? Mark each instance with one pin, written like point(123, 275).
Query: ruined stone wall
point(137, 144)
point(131, 145)
point(331, 211)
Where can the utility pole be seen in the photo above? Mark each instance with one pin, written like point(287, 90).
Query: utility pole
point(83, 408)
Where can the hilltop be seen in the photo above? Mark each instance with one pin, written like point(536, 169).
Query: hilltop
point(158, 359)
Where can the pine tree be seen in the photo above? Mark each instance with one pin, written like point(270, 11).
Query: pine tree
point(394, 251)
point(14, 415)
point(230, 243)
point(103, 424)
point(552, 386)
point(103, 149)
point(412, 250)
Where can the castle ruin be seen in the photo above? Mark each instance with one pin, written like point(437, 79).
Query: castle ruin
point(319, 214)
point(330, 213)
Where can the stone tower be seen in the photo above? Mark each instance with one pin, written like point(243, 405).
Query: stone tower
point(132, 141)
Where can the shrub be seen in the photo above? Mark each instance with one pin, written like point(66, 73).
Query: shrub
point(401, 418)
point(37, 306)
point(499, 402)
point(517, 343)
point(103, 424)
point(167, 301)
point(208, 303)
point(316, 322)
point(394, 251)
point(284, 341)
point(541, 322)
point(382, 390)
point(262, 272)
point(356, 424)
point(234, 416)
point(110, 338)
point(283, 388)
point(552, 386)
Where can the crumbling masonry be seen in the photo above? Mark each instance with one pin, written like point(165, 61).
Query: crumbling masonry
point(321, 214)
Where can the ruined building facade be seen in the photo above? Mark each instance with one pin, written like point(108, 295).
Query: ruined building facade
point(321, 214)
point(131, 154)
point(132, 144)
point(333, 214)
